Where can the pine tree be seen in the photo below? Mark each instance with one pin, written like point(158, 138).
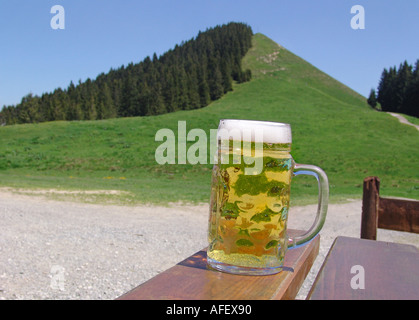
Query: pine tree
point(203, 89)
point(193, 89)
point(227, 80)
point(130, 106)
point(2, 116)
point(412, 93)
point(107, 107)
point(216, 85)
point(182, 92)
point(58, 111)
point(169, 90)
point(404, 77)
point(372, 99)
point(387, 89)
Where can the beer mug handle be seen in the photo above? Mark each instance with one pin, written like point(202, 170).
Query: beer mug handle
point(323, 183)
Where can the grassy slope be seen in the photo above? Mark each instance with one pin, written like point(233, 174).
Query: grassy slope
point(332, 128)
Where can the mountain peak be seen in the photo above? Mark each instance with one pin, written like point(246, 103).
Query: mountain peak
point(268, 58)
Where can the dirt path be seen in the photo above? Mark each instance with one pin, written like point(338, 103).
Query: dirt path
point(403, 120)
point(65, 250)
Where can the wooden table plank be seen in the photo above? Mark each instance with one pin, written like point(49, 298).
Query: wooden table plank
point(390, 271)
point(192, 280)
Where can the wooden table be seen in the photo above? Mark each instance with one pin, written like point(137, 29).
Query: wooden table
point(192, 280)
point(358, 269)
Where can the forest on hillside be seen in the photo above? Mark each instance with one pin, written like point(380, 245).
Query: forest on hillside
point(398, 90)
point(189, 76)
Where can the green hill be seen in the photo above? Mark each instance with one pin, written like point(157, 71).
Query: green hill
point(333, 127)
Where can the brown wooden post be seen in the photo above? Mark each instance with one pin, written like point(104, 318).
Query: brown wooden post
point(370, 202)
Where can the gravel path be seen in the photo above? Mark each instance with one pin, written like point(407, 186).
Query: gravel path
point(403, 120)
point(64, 250)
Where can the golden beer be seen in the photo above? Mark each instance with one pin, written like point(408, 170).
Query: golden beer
point(249, 212)
point(250, 200)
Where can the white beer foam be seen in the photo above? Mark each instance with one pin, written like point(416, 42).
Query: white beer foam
point(255, 131)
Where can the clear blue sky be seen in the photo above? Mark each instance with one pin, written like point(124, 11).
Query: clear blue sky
point(100, 34)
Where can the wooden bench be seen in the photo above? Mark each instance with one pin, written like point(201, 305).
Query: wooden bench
point(386, 213)
point(192, 280)
point(360, 269)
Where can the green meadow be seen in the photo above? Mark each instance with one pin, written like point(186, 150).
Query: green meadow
point(332, 126)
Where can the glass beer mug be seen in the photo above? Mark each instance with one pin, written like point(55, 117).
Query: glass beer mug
point(250, 197)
